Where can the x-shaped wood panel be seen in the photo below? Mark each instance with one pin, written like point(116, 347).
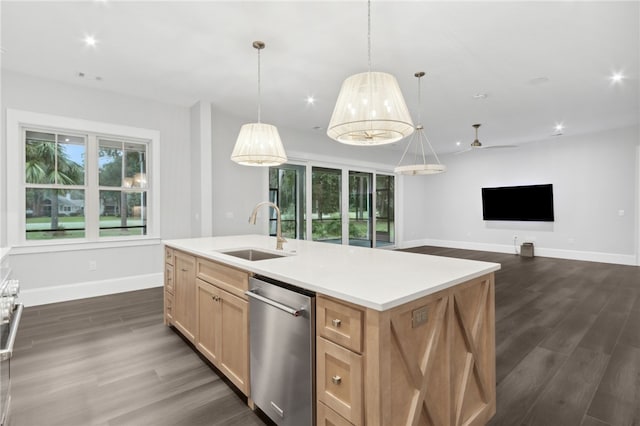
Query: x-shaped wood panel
point(472, 361)
point(418, 373)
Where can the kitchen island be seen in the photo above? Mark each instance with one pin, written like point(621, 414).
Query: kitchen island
point(401, 338)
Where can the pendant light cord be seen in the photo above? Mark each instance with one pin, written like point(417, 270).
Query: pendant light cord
point(369, 33)
point(259, 93)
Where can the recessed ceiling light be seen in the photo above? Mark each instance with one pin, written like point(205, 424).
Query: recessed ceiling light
point(480, 96)
point(90, 41)
point(458, 143)
point(617, 77)
point(557, 129)
point(310, 100)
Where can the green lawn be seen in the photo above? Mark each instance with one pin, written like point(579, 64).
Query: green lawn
point(73, 227)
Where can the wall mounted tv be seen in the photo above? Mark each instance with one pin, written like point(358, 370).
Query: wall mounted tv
point(518, 203)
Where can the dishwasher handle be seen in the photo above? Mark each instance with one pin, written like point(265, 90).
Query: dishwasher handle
point(292, 311)
point(7, 353)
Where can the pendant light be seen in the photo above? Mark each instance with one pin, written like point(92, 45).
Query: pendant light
point(370, 109)
point(419, 137)
point(259, 144)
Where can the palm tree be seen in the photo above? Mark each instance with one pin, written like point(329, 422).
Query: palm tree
point(47, 162)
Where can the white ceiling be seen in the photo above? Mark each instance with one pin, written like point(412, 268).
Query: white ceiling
point(538, 62)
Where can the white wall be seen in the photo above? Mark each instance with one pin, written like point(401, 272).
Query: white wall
point(48, 276)
point(593, 177)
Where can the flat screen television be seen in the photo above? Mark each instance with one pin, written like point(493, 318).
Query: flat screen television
point(518, 203)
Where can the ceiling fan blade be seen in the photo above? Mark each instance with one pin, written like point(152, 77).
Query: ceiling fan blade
point(496, 146)
point(463, 151)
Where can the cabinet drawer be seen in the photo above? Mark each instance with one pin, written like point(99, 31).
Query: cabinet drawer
point(227, 278)
point(168, 308)
point(169, 279)
point(340, 323)
point(168, 255)
point(328, 417)
point(339, 380)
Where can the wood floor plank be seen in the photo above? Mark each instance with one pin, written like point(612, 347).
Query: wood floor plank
point(568, 394)
point(592, 421)
point(617, 398)
point(569, 332)
point(520, 389)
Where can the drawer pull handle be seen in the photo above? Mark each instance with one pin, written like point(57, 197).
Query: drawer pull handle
point(336, 380)
point(336, 323)
point(184, 269)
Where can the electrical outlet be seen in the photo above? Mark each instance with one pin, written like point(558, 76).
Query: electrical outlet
point(93, 265)
point(419, 316)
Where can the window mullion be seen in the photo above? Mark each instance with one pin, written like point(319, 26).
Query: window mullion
point(92, 203)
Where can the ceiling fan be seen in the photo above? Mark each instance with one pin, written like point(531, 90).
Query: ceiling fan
point(476, 144)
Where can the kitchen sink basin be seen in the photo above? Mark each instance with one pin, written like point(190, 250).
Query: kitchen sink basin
point(253, 254)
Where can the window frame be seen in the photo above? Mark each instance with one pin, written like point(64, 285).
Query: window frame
point(19, 121)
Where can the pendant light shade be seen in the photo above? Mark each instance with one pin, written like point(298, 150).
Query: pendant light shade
point(420, 166)
point(370, 110)
point(259, 144)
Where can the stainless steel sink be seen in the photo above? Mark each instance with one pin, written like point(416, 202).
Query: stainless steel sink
point(253, 254)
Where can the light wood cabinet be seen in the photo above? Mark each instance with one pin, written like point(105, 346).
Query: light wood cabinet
point(223, 332)
point(233, 328)
point(328, 417)
point(339, 363)
point(339, 380)
point(184, 315)
point(169, 290)
point(205, 301)
point(427, 362)
point(208, 340)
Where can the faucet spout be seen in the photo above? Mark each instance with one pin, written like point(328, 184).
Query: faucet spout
point(252, 220)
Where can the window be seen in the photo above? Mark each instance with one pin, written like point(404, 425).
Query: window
point(54, 173)
point(123, 188)
point(79, 181)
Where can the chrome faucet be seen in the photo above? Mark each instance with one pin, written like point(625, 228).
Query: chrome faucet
point(254, 214)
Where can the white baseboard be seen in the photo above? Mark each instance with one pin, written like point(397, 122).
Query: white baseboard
point(588, 256)
point(62, 293)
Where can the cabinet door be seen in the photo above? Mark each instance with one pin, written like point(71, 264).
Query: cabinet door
point(207, 338)
point(185, 294)
point(234, 339)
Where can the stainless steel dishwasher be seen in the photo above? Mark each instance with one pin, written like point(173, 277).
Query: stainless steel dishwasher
point(282, 348)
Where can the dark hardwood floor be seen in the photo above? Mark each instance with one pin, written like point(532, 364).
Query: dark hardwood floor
point(567, 347)
point(567, 340)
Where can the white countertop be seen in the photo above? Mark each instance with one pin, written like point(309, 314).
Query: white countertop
point(375, 278)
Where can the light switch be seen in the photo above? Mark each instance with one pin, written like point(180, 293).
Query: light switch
point(620, 212)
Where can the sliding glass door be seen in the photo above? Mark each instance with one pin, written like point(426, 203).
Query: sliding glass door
point(385, 212)
point(345, 206)
point(287, 191)
point(360, 211)
point(326, 211)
